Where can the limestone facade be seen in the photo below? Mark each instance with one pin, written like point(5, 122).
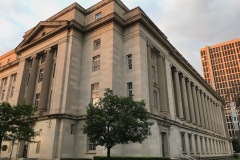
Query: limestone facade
point(68, 60)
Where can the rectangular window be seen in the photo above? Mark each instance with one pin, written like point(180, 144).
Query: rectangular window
point(91, 146)
point(38, 146)
point(190, 143)
point(72, 132)
point(12, 91)
point(14, 77)
point(43, 58)
point(155, 99)
point(201, 143)
point(98, 16)
point(4, 147)
point(196, 143)
point(183, 142)
point(129, 89)
point(3, 94)
point(94, 92)
point(40, 77)
point(97, 44)
point(129, 61)
point(153, 73)
point(4, 81)
point(96, 63)
point(37, 100)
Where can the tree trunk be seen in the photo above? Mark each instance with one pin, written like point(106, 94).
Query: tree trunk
point(108, 153)
point(1, 138)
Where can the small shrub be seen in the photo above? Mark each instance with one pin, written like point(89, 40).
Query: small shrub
point(131, 158)
point(235, 156)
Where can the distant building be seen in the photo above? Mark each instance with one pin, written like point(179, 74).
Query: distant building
point(68, 60)
point(221, 67)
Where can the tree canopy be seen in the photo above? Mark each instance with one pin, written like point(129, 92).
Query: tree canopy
point(117, 120)
point(16, 123)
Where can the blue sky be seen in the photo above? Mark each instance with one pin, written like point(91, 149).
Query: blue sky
point(188, 24)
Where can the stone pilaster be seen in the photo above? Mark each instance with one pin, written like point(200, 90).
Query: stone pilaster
point(204, 109)
point(184, 98)
point(178, 95)
point(196, 105)
point(32, 80)
point(162, 83)
point(200, 108)
point(150, 80)
point(46, 80)
point(207, 111)
point(190, 102)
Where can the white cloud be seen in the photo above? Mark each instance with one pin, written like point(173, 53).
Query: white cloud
point(188, 24)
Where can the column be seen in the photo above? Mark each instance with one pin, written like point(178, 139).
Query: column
point(22, 74)
point(200, 108)
point(209, 113)
point(184, 98)
point(162, 83)
point(204, 109)
point(32, 80)
point(214, 117)
point(196, 105)
point(150, 81)
point(46, 81)
point(178, 98)
point(190, 102)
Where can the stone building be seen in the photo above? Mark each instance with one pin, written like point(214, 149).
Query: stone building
point(221, 70)
point(68, 60)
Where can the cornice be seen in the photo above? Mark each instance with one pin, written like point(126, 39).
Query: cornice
point(9, 65)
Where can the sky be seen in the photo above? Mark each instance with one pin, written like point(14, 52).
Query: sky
point(189, 24)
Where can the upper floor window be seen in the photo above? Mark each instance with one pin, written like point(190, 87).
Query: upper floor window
point(43, 58)
point(129, 61)
point(37, 100)
point(40, 77)
point(3, 94)
point(154, 73)
point(129, 89)
point(96, 63)
point(4, 81)
point(155, 99)
point(14, 77)
point(98, 16)
point(12, 91)
point(95, 92)
point(97, 43)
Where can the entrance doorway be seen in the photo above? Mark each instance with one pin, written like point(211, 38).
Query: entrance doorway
point(164, 139)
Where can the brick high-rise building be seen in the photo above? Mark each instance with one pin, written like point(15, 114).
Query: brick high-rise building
point(221, 67)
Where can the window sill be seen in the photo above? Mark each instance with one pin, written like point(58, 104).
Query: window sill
point(91, 152)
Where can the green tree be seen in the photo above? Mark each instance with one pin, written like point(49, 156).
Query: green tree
point(117, 120)
point(16, 123)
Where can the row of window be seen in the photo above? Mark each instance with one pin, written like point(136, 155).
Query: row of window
point(4, 86)
point(215, 146)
